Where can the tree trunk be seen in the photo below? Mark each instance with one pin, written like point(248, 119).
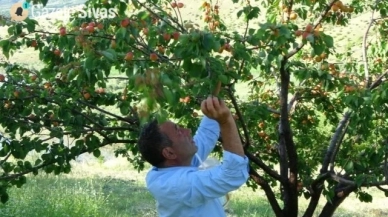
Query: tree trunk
point(329, 208)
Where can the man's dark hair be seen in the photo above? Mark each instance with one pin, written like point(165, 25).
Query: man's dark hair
point(151, 143)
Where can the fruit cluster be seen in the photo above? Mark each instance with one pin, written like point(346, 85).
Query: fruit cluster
point(338, 6)
point(211, 15)
point(309, 30)
point(288, 12)
point(177, 5)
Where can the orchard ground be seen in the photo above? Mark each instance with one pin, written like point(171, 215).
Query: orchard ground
point(109, 186)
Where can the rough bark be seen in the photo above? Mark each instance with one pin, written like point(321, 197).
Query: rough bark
point(290, 194)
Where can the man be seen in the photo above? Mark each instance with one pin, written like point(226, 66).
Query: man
point(180, 188)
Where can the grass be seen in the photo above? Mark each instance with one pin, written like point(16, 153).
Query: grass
point(87, 197)
point(109, 186)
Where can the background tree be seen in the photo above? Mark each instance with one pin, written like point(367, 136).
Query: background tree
point(313, 123)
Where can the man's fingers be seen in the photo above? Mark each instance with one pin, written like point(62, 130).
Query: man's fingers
point(209, 104)
point(222, 103)
point(216, 104)
point(204, 108)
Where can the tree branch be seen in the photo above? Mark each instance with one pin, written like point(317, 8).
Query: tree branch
point(240, 117)
point(365, 48)
point(156, 15)
point(118, 78)
point(286, 141)
point(327, 9)
point(364, 183)
point(268, 191)
point(378, 81)
point(315, 192)
point(177, 15)
point(103, 111)
point(331, 206)
point(338, 145)
point(293, 100)
point(334, 141)
point(263, 166)
point(5, 159)
point(87, 118)
point(382, 189)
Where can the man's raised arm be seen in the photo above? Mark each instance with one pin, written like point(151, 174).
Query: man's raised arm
point(217, 110)
point(231, 174)
point(205, 138)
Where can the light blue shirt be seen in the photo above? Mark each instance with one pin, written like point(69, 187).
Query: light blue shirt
point(189, 192)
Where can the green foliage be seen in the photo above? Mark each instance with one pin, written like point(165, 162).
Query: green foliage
point(311, 109)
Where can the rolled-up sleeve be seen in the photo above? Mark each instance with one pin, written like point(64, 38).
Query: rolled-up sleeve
point(206, 138)
point(215, 182)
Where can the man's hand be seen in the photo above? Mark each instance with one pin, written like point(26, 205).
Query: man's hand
point(216, 109)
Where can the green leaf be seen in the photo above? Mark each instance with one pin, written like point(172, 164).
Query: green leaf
point(120, 34)
point(135, 3)
point(11, 29)
point(168, 95)
point(88, 64)
point(365, 197)
point(67, 169)
point(125, 108)
point(349, 166)
point(44, 2)
point(6, 46)
point(329, 41)
point(254, 13)
point(30, 24)
point(223, 79)
point(318, 48)
point(122, 7)
point(239, 13)
point(207, 42)
point(109, 54)
point(4, 197)
point(97, 153)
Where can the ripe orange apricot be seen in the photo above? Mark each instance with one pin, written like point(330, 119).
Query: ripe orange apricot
point(129, 56)
point(309, 28)
point(293, 16)
point(153, 57)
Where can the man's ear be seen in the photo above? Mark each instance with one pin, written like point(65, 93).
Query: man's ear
point(169, 153)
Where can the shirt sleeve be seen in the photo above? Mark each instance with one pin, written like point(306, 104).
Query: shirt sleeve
point(205, 138)
point(215, 182)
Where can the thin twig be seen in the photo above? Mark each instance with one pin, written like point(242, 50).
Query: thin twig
point(241, 119)
point(364, 46)
point(155, 14)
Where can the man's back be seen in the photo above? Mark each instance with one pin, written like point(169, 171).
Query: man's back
point(186, 191)
point(170, 188)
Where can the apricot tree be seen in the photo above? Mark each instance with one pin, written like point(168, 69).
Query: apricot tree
point(313, 122)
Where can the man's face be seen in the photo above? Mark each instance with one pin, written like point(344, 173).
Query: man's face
point(183, 144)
